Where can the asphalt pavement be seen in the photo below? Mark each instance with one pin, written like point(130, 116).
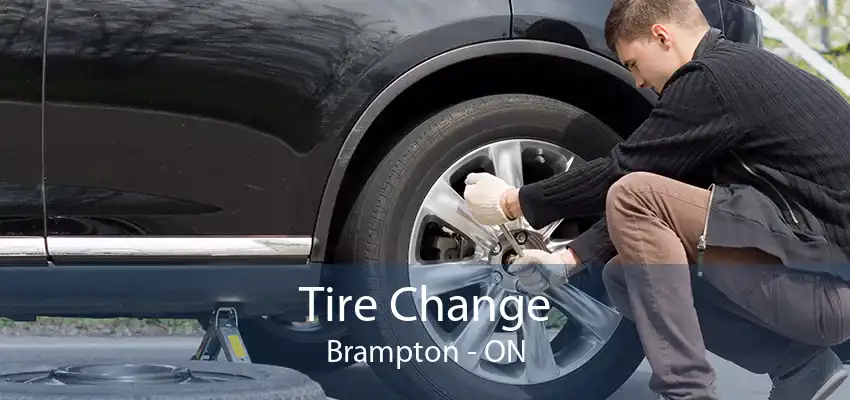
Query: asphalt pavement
point(354, 383)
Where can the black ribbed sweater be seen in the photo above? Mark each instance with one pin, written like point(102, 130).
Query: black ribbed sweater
point(730, 97)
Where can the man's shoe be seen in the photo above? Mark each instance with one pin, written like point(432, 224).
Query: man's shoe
point(815, 380)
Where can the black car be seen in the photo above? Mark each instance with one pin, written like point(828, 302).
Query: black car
point(164, 158)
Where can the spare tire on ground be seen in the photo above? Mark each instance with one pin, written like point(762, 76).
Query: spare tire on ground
point(70, 379)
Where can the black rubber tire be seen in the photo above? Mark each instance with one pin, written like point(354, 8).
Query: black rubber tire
point(378, 229)
point(268, 383)
point(270, 343)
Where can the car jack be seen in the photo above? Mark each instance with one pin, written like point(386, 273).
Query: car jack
point(223, 335)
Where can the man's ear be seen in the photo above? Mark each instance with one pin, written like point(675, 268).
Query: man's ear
point(663, 35)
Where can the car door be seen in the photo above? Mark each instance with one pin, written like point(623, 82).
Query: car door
point(735, 18)
point(21, 204)
point(175, 129)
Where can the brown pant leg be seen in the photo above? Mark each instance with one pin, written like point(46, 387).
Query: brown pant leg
point(810, 309)
point(728, 330)
point(659, 301)
point(655, 223)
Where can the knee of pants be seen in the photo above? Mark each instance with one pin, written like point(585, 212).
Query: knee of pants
point(613, 274)
point(613, 277)
point(623, 192)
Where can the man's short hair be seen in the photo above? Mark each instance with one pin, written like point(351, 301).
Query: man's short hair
point(630, 20)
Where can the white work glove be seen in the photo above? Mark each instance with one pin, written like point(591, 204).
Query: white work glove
point(483, 196)
point(539, 270)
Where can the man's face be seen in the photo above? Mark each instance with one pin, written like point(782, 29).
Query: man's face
point(651, 59)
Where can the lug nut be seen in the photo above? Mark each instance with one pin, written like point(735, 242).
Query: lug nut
point(520, 237)
point(496, 249)
point(497, 277)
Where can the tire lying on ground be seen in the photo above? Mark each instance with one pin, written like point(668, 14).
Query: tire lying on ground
point(419, 183)
point(161, 379)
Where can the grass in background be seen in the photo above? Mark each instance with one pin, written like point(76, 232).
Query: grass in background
point(117, 327)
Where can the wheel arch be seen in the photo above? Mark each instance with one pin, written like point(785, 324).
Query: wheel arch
point(630, 103)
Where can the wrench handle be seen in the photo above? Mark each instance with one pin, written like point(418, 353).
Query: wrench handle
point(513, 241)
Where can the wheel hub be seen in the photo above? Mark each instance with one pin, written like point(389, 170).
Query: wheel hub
point(503, 255)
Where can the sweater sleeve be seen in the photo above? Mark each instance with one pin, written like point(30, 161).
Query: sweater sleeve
point(594, 247)
point(689, 126)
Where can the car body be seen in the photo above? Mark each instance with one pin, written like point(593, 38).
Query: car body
point(176, 132)
point(165, 158)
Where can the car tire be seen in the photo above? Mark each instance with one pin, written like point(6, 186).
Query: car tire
point(373, 252)
point(272, 342)
point(30, 380)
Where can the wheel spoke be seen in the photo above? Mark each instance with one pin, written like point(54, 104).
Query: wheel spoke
point(445, 277)
point(548, 230)
point(540, 363)
point(507, 161)
point(445, 203)
point(597, 318)
point(477, 332)
point(558, 245)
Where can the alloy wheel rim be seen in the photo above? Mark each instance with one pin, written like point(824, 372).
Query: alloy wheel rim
point(482, 268)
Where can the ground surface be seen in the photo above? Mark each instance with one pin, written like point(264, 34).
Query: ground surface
point(354, 383)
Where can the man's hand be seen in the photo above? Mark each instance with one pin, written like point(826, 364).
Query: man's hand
point(539, 270)
point(485, 196)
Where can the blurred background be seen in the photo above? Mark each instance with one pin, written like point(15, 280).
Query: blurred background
point(813, 34)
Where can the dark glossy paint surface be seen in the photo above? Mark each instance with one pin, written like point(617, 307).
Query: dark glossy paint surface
point(184, 117)
point(581, 23)
point(576, 23)
point(741, 23)
point(713, 11)
point(221, 116)
point(21, 50)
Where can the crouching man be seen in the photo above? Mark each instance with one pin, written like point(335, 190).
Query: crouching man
point(726, 213)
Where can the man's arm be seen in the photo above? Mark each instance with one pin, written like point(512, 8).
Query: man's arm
point(690, 125)
point(593, 248)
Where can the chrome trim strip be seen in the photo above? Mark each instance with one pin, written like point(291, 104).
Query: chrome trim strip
point(22, 246)
point(180, 246)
